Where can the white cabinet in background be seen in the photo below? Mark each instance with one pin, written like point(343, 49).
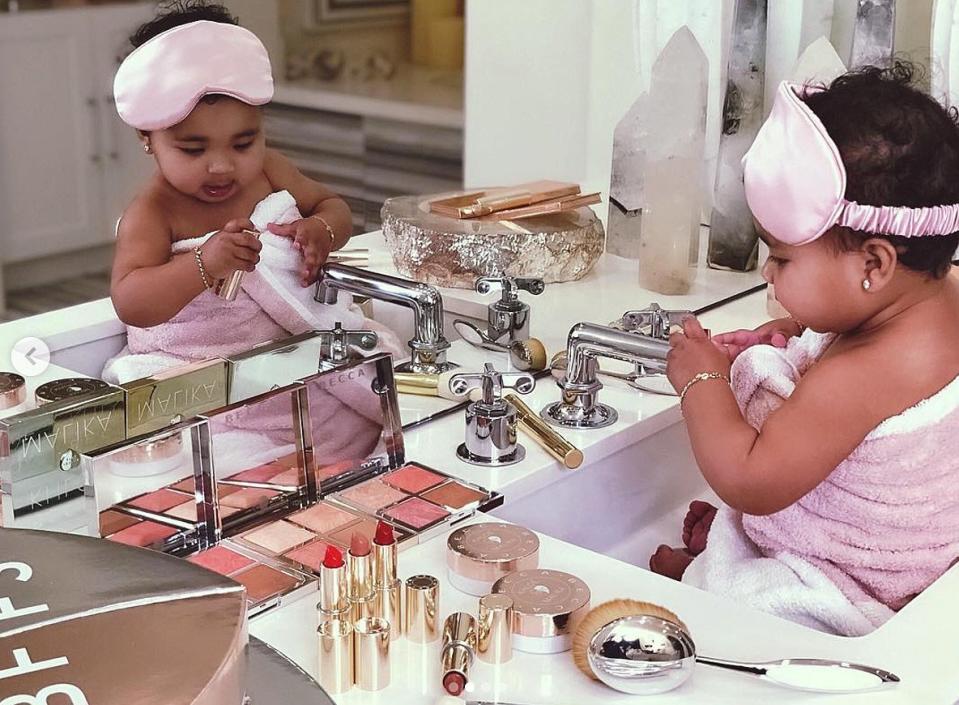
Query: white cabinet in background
point(67, 163)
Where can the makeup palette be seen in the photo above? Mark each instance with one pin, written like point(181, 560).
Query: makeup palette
point(162, 511)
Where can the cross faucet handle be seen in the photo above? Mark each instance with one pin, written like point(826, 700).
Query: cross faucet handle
point(492, 383)
point(338, 342)
point(653, 321)
point(510, 286)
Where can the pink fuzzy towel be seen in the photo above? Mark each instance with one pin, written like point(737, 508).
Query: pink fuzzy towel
point(270, 305)
point(880, 528)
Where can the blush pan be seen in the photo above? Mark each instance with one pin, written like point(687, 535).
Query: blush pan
point(263, 582)
point(454, 496)
point(278, 537)
point(158, 501)
point(263, 473)
point(221, 560)
point(111, 522)
point(413, 479)
point(416, 513)
point(143, 534)
point(247, 497)
point(323, 518)
point(367, 528)
point(372, 495)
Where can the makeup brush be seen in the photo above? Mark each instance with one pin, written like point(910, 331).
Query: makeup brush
point(431, 385)
point(643, 649)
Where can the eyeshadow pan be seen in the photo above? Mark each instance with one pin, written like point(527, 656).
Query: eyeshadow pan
point(413, 479)
point(454, 496)
point(323, 518)
point(187, 511)
point(262, 582)
point(263, 473)
point(158, 501)
point(279, 536)
point(334, 469)
point(221, 560)
point(112, 522)
point(367, 527)
point(310, 555)
point(144, 533)
point(416, 513)
point(290, 476)
point(372, 495)
point(246, 497)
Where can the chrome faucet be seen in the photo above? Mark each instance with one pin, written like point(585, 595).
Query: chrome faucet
point(491, 421)
point(508, 318)
point(339, 345)
point(428, 345)
point(654, 321)
point(579, 406)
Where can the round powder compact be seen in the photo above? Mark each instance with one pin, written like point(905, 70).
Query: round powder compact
point(548, 605)
point(13, 390)
point(67, 388)
point(480, 554)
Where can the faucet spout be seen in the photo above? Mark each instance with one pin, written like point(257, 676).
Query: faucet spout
point(428, 344)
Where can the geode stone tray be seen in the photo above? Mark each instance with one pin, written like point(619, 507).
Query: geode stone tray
point(443, 251)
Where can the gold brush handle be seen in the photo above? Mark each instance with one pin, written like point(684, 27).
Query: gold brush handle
point(415, 383)
point(542, 433)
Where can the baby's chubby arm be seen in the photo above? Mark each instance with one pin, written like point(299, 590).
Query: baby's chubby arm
point(149, 285)
point(776, 333)
point(821, 423)
point(320, 208)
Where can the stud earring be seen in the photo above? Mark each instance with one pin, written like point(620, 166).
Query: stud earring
point(147, 148)
point(866, 284)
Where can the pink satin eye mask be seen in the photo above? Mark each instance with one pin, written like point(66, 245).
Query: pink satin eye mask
point(162, 80)
point(795, 182)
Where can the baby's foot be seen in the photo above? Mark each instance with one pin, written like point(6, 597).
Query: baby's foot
point(696, 526)
point(671, 562)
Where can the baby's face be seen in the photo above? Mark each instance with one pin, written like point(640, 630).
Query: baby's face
point(216, 151)
point(816, 284)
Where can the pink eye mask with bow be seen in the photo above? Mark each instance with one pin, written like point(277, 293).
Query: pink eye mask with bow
point(162, 80)
point(795, 182)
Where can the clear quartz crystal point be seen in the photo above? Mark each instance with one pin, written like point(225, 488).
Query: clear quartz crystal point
point(626, 194)
point(818, 64)
point(733, 242)
point(675, 166)
point(873, 33)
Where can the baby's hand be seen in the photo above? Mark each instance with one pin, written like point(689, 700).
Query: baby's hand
point(692, 352)
point(231, 249)
point(775, 333)
point(313, 241)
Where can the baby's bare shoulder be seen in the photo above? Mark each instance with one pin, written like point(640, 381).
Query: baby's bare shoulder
point(144, 218)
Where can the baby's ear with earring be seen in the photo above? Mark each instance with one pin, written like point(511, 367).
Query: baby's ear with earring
point(880, 263)
point(145, 139)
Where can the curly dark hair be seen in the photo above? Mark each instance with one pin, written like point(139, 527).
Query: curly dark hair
point(900, 148)
point(179, 12)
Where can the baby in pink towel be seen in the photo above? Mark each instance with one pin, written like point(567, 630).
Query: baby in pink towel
point(192, 88)
point(855, 189)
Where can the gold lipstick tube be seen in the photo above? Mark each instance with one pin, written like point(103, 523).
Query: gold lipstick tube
point(371, 654)
point(384, 564)
point(335, 655)
point(228, 288)
point(334, 598)
point(459, 649)
point(388, 605)
point(361, 576)
point(542, 433)
point(495, 630)
point(422, 608)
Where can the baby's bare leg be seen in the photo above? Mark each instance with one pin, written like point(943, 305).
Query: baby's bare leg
point(671, 562)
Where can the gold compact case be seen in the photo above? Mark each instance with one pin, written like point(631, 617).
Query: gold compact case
point(548, 605)
point(13, 390)
point(42, 484)
point(480, 554)
point(273, 364)
point(68, 388)
point(174, 395)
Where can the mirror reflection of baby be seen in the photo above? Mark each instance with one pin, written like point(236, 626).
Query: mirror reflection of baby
point(832, 445)
point(192, 89)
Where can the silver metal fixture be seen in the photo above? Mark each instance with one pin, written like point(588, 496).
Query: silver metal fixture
point(491, 422)
point(508, 318)
point(339, 346)
point(428, 345)
point(645, 654)
point(654, 321)
point(579, 406)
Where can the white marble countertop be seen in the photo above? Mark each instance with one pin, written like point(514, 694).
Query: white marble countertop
point(414, 94)
point(923, 659)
